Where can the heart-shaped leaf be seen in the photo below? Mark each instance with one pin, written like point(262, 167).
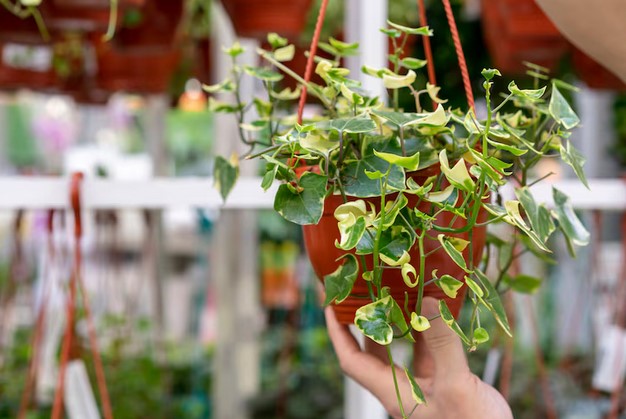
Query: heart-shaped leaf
point(410, 163)
point(575, 160)
point(561, 111)
point(338, 284)
point(458, 175)
point(225, 174)
point(448, 319)
point(572, 228)
point(492, 299)
point(449, 285)
point(454, 254)
point(303, 206)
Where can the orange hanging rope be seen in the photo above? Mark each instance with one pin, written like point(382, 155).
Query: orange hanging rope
point(312, 51)
point(459, 53)
point(71, 309)
point(427, 49)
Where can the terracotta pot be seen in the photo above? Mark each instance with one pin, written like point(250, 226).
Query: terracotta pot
point(320, 239)
point(594, 74)
point(137, 70)
point(255, 18)
point(280, 289)
point(517, 31)
point(158, 27)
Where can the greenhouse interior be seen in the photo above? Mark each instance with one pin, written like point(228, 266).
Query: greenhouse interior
point(301, 209)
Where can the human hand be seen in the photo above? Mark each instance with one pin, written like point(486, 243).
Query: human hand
point(451, 390)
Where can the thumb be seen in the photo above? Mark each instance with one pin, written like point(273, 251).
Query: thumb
point(444, 345)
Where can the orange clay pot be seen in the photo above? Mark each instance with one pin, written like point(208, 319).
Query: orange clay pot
point(320, 239)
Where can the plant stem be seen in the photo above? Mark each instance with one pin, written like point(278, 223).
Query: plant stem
point(421, 284)
point(112, 22)
point(489, 115)
point(379, 232)
point(395, 381)
point(314, 89)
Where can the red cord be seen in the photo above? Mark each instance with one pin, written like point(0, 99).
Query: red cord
point(100, 378)
point(76, 278)
point(430, 64)
point(459, 53)
point(310, 60)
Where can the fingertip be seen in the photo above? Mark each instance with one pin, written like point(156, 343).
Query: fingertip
point(430, 307)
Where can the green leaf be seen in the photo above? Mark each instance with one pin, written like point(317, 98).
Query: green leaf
point(449, 285)
point(350, 125)
point(474, 287)
point(374, 322)
point(395, 81)
point(525, 284)
point(402, 260)
point(458, 175)
point(437, 118)
point(262, 73)
point(516, 151)
point(440, 196)
point(276, 41)
point(538, 215)
point(351, 223)
point(269, 177)
point(561, 111)
point(423, 30)
point(573, 230)
point(344, 48)
point(515, 218)
point(318, 144)
point(225, 174)
point(305, 206)
point(219, 106)
point(412, 63)
point(352, 97)
point(433, 93)
point(480, 336)
point(494, 304)
point(235, 50)
point(285, 53)
point(225, 86)
point(416, 391)
point(410, 163)
point(448, 319)
point(454, 254)
point(419, 323)
point(338, 284)
point(392, 209)
point(358, 184)
point(490, 73)
point(286, 94)
point(351, 235)
point(399, 119)
point(575, 160)
point(530, 94)
point(409, 271)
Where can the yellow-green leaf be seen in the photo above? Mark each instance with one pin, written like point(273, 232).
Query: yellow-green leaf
point(458, 175)
point(419, 323)
point(285, 53)
point(409, 271)
point(396, 81)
